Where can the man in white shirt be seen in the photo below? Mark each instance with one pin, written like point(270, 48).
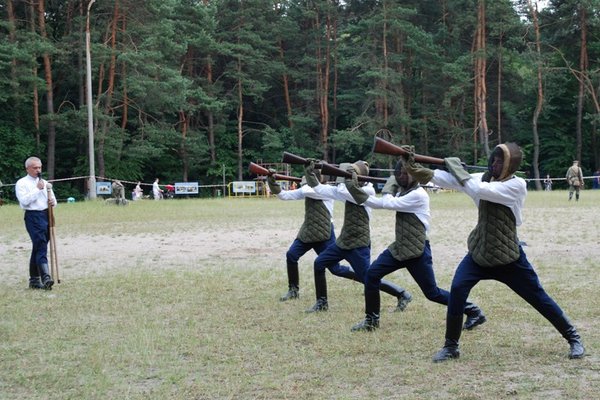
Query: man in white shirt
point(495, 252)
point(35, 198)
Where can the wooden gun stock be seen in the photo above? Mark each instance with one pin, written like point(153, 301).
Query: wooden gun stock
point(382, 146)
point(328, 169)
point(290, 158)
point(258, 170)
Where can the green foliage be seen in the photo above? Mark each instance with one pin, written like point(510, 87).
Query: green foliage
point(185, 69)
point(16, 146)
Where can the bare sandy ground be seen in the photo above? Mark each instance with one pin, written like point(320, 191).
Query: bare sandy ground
point(566, 237)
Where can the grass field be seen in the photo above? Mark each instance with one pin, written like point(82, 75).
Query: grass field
point(179, 300)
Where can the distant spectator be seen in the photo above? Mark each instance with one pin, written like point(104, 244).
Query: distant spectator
point(548, 183)
point(574, 178)
point(138, 193)
point(118, 190)
point(596, 180)
point(156, 190)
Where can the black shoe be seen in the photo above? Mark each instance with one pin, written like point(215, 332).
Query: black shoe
point(290, 295)
point(577, 350)
point(369, 324)
point(403, 301)
point(35, 283)
point(46, 278)
point(320, 305)
point(446, 353)
point(47, 282)
point(475, 317)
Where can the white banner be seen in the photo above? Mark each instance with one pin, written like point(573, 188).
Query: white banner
point(243, 187)
point(186, 187)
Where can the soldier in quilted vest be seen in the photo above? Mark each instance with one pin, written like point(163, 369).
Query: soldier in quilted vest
point(354, 242)
point(316, 233)
point(410, 249)
point(494, 249)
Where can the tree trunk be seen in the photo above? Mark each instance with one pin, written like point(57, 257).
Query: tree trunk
point(480, 83)
point(103, 131)
point(50, 162)
point(499, 95)
point(240, 119)
point(34, 73)
point(540, 99)
point(210, 116)
point(286, 88)
point(583, 68)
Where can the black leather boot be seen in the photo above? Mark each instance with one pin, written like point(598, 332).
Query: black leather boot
point(372, 306)
point(35, 283)
point(46, 278)
point(474, 316)
point(400, 293)
point(321, 292)
point(453, 329)
point(568, 331)
point(293, 282)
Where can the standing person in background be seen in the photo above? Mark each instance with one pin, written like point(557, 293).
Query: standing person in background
point(316, 233)
point(410, 250)
point(596, 180)
point(574, 178)
point(156, 190)
point(138, 193)
point(548, 183)
point(354, 242)
point(495, 252)
point(35, 199)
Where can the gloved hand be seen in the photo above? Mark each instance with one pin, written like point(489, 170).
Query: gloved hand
point(417, 171)
point(354, 187)
point(456, 168)
point(309, 173)
point(273, 185)
point(391, 186)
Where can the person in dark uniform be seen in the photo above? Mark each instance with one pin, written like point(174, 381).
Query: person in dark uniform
point(354, 242)
point(35, 198)
point(316, 233)
point(494, 248)
point(410, 250)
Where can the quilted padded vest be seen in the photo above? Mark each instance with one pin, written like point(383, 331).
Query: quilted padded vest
point(317, 222)
point(494, 240)
point(410, 237)
point(356, 231)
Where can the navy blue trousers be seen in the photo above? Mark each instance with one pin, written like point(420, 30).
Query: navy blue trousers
point(36, 223)
point(420, 268)
point(299, 248)
point(519, 276)
point(359, 260)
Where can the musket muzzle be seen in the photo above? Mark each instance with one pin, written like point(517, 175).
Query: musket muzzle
point(258, 170)
point(328, 169)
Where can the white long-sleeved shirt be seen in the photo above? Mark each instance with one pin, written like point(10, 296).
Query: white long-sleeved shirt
point(30, 197)
point(510, 193)
point(304, 192)
point(341, 193)
point(415, 202)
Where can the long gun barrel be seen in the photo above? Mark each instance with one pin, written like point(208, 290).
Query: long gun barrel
point(290, 158)
point(382, 146)
point(258, 170)
point(328, 169)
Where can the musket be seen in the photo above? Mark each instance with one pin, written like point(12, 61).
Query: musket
point(382, 146)
point(51, 225)
point(290, 158)
point(328, 169)
point(258, 170)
